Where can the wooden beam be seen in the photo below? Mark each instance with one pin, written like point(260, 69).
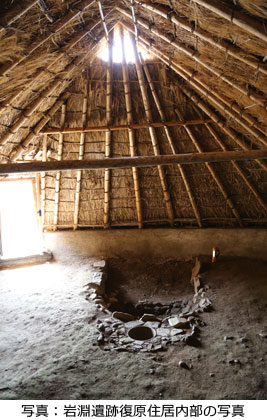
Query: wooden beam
point(81, 155)
point(44, 158)
point(19, 149)
point(53, 29)
point(132, 126)
point(171, 143)
point(131, 136)
point(58, 174)
point(152, 132)
point(128, 162)
point(213, 173)
point(257, 97)
point(230, 107)
point(103, 19)
point(236, 17)
point(28, 260)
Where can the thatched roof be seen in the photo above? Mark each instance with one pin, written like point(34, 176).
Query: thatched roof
point(202, 89)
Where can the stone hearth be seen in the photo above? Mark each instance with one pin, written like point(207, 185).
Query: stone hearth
point(147, 326)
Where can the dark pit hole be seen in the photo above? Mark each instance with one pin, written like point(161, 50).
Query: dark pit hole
point(141, 333)
point(148, 288)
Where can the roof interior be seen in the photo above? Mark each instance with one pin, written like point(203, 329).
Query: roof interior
point(208, 69)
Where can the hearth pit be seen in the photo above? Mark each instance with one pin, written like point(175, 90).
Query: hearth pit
point(144, 325)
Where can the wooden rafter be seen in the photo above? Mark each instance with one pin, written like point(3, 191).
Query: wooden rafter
point(213, 173)
point(238, 168)
point(81, 156)
point(171, 143)
point(235, 17)
point(17, 12)
point(131, 136)
point(39, 74)
point(223, 45)
point(16, 153)
point(133, 126)
point(58, 174)
point(27, 113)
point(230, 132)
point(257, 97)
point(238, 140)
point(152, 132)
point(58, 27)
point(20, 148)
point(230, 107)
point(128, 162)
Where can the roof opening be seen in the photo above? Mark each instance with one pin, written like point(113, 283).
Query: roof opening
point(117, 48)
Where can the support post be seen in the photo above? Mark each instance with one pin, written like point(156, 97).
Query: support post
point(58, 174)
point(171, 143)
point(152, 133)
point(44, 158)
point(81, 155)
point(213, 174)
point(131, 137)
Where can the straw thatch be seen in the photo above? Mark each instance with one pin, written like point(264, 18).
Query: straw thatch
point(205, 67)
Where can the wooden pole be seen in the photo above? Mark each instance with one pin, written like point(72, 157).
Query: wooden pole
point(171, 143)
point(223, 45)
point(236, 17)
point(128, 162)
point(107, 173)
point(152, 132)
point(133, 126)
point(27, 113)
point(58, 174)
point(81, 155)
point(257, 97)
point(45, 10)
point(131, 137)
point(227, 130)
point(42, 72)
point(19, 149)
point(239, 114)
point(58, 26)
point(238, 168)
point(44, 158)
point(202, 105)
point(213, 173)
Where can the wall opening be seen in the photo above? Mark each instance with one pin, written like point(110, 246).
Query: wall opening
point(20, 227)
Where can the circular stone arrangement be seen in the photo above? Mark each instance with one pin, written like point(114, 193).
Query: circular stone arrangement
point(146, 326)
point(179, 322)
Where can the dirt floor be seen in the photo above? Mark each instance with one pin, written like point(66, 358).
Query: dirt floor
point(48, 336)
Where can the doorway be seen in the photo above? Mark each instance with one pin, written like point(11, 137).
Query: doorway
point(20, 229)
